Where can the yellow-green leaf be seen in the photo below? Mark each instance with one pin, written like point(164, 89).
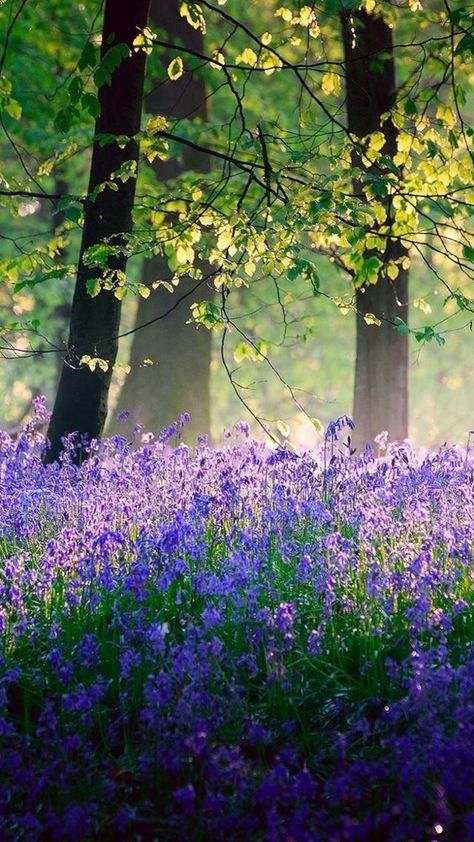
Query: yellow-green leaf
point(175, 68)
point(123, 369)
point(370, 319)
point(376, 141)
point(13, 108)
point(144, 41)
point(331, 83)
point(422, 305)
point(284, 13)
point(446, 116)
point(184, 254)
point(157, 123)
point(192, 12)
point(317, 426)
point(218, 60)
point(224, 240)
point(283, 429)
point(247, 56)
point(93, 362)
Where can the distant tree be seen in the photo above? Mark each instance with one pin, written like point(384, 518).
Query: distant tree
point(178, 382)
point(81, 400)
point(381, 373)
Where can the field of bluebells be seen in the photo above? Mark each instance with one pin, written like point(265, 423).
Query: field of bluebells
point(236, 643)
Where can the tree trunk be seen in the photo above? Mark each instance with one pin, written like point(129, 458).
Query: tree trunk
point(179, 381)
point(81, 400)
point(381, 375)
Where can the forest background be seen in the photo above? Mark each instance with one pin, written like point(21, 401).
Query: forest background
point(293, 363)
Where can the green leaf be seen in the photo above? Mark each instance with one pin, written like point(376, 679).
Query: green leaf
point(427, 334)
point(207, 314)
point(369, 270)
point(461, 95)
point(73, 213)
point(433, 149)
point(76, 86)
point(461, 300)
point(98, 254)
point(244, 351)
point(93, 287)
point(295, 271)
point(54, 273)
point(453, 139)
point(108, 139)
point(410, 108)
point(5, 86)
point(13, 108)
point(466, 45)
point(317, 425)
point(455, 16)
point(111, 60)
point(378, 185)
point(402, 328)
point(127, 170)
point(88, 56)
point(91, 104)
point(65, 118)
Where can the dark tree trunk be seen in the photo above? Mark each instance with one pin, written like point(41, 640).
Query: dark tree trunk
point(179, 382)
point(81, 400)
point(381, 376)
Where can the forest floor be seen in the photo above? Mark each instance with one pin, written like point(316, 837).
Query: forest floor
point(237, 643)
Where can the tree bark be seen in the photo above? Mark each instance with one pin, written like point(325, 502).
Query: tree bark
point(81, 400)
point(179, 381)
point(381, 374)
